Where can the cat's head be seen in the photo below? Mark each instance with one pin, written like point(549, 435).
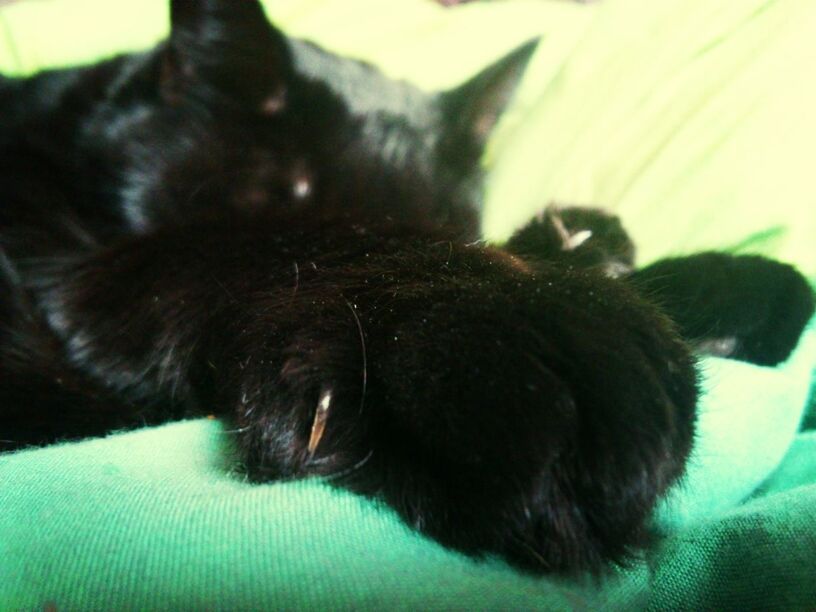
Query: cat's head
point(230, 110)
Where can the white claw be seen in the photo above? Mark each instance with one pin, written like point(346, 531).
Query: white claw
point(577, 239)
point(319, 423)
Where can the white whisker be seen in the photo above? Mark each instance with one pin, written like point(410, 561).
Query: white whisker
point(351, 469)
point(363, 348)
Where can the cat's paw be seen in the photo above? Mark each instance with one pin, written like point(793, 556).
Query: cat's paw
point(583, 237)
point(534, 414)
point(744, 307)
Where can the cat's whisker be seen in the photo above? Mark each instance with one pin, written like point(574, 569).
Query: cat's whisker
point(313, 461)
point(224, 288)
point(201, 185)
point(531, 550)
point(363, 349)
point(235, 431)
point(351, 469)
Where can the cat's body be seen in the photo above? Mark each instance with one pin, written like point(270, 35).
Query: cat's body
point(236, 224)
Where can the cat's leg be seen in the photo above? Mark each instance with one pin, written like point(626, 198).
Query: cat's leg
point(43, 401)
point(43, 398)
point(536, 413)
point(528, 411)
point(745, 307)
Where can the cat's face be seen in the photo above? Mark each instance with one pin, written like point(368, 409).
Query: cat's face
point(230, 111)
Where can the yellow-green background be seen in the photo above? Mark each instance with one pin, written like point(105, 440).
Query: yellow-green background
point(694, 120)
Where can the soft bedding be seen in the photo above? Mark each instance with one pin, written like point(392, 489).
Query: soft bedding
point(692, 120)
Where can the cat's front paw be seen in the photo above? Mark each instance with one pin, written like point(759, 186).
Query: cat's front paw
point(745, 307)
point(537, 414)
point(578, 236)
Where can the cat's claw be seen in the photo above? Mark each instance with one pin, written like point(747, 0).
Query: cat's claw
point(319, 423)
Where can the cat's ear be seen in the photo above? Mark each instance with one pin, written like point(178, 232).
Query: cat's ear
point(225, 49)
point(472, 110)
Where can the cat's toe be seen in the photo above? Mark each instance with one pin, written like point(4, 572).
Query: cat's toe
point(579, 236)
point(299, 416)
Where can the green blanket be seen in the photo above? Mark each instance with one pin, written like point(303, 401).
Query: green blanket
point(691, 119)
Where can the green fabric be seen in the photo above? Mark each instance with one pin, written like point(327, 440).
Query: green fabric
point(691, 119)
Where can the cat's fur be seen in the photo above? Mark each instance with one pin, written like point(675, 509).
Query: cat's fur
point(240, 224)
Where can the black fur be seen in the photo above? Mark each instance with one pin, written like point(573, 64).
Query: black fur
point(748, 307)
point(242, 224)
point(582, 237)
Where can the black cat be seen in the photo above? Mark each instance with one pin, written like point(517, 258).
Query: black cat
point(247, 225)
